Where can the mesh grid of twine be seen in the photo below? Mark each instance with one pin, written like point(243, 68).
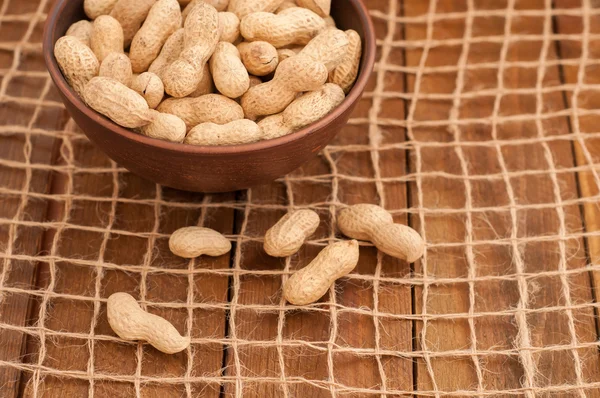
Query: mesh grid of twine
point(421, 213)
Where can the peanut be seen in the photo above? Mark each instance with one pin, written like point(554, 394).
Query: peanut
point(329, 47)
point(169, 53)
point(255, 81)
point(344, 75)
point(287, 236)
point(312, 282)
point(229, 24)
point(206, 85)
point(319, 7)
point(227, 69)
point(188, 8)
point(95, 8)
point(303, 111)
point(118, 67)
point(285, 53)
point(234, 133)
point(220, 5)
point(291, 26)
point(165, 127)
point(163, 20)
point(77, 62)
point(118, 102)
point(131, 14)
point(213, 108)
point(373, 223)
point(201, 36)
point(81, 30)
point(285, 5)
point(107, 37)
point(259, 57)
point(193, 242)
point(130, 322)
point(149, 86)
point(244, 7)
point(330, 22)
point(294, 75)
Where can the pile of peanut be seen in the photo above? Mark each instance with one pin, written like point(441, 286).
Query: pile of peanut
point(198, 74)
point(306, 286)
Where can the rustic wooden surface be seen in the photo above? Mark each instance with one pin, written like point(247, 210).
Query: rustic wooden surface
point(489, 182)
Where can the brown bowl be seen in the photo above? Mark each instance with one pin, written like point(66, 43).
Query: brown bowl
point(204, 168)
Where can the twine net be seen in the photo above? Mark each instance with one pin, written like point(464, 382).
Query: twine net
point(478, 128)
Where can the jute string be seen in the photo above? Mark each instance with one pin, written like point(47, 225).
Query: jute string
point(424, 281)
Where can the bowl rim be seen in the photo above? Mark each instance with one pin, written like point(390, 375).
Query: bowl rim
point(368, 62)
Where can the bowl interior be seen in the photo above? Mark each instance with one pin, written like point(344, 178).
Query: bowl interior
point(349, 14)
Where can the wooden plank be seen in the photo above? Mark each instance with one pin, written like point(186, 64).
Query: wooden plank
point(16, 150)
point(22, 92)
point(586, 149)
point(20, 239)
point(78, 303)
point(498, 367)
point(292, 368)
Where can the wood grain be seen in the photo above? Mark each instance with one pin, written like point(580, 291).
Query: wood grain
point(585, 149)
point(497, 333)
point(21, 148)
point(482, 170)
point(19, 273)
point(99, 283)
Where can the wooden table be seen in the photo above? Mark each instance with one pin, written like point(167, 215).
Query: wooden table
point(478, 129)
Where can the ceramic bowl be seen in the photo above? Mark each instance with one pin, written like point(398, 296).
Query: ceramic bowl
point(209, 168)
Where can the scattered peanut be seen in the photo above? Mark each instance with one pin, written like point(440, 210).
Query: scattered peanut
point(319, 7)
point(169, 53)
point(234, 133)
point(94, 8)
point(294, 75)
point(118, 67)
point(107, 37)
point(346, 72)
point(165, 127)
point(193, 242)
point(213, 108)
point(303, 111)
point(375, 224)
point(236, 81)
point(131, 14)
point(244, 7)
point(291, 26)
point(81, 30)
point(130, 322)
point(77, 62)
point(329, 47)
point(149, 86)
point(229, 24)
point(312, 282)
point(118, 102)
point(259, 57)
point(163, 20)
point(201, 37)
point(287, 236)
